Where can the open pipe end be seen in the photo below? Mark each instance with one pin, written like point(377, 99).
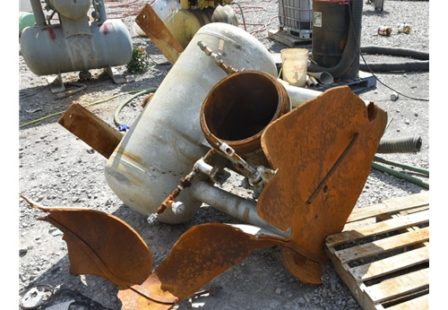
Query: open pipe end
point(239, 107)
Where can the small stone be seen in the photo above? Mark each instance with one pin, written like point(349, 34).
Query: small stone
point(301, 301)
point(394, 97)
point(416, 114)
point(55, 232)
point(278, 291)
point(407, 122)
point(22, 252)
point(90, 151)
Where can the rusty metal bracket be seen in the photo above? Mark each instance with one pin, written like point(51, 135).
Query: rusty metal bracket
point(160, 35)
point(90, 129)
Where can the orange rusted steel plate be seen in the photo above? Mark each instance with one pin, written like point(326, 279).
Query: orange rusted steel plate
point(202, 253)
point(90, 129)
point(101, 244)
point(323, 151)
point(148, 295)
point(306, 270)
point(159, 34)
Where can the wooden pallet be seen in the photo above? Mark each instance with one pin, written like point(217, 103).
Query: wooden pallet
point(382, 254)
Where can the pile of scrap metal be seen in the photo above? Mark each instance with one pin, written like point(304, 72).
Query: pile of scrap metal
point(305, 154)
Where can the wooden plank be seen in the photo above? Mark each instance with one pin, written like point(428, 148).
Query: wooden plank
point(413, 210)
point(390, 264)
point(390, 206)
point(419, 303)
point(90, 129)
point(383, 245)
point(406, 297)
point(398, 286)
point(357, 289)
point(378, 228)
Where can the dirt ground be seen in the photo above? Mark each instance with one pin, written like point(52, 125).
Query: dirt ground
point(57, 169)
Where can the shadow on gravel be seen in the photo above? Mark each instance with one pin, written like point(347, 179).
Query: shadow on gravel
point(375, 13)
point(39, 102)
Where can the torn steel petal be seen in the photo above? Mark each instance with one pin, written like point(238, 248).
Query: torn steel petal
point(101, 244)
point(323, 151)
point(202, 253)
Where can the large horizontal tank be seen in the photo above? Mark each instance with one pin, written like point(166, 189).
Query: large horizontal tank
point(50, 50)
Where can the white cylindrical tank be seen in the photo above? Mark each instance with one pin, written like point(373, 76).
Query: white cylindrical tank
point(48, 50)
point(166, 140)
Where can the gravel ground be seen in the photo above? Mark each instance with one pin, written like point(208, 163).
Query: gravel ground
point(57, 169)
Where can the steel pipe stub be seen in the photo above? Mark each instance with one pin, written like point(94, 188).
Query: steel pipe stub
point(239, 107)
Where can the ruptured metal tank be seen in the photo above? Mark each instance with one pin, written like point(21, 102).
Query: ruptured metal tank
point(166, 140)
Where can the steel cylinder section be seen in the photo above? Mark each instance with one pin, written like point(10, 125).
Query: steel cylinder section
point(47, 50)
point(166, 140)
point(337, 36)
point(238, 108)
point(72, 9)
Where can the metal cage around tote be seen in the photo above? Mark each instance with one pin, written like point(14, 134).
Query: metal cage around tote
point(296, 16)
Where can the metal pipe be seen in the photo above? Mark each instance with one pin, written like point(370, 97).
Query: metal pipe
point(100, 10)
point(403, 166)
point(298, 95)
point(38, 13)
point(401, 145)
point(400, 175)
point(237, 207)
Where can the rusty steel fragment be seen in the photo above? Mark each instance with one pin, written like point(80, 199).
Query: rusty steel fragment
point(160, 35)
point(323, 151)
point(101, 244)
point(148, 295)
point(90, 129)
point(201, 254)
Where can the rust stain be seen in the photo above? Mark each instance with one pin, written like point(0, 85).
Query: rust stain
point(51, 33)
point(134, 158)
point(105, 28)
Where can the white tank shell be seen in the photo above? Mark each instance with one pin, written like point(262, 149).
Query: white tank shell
point(166, 140)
